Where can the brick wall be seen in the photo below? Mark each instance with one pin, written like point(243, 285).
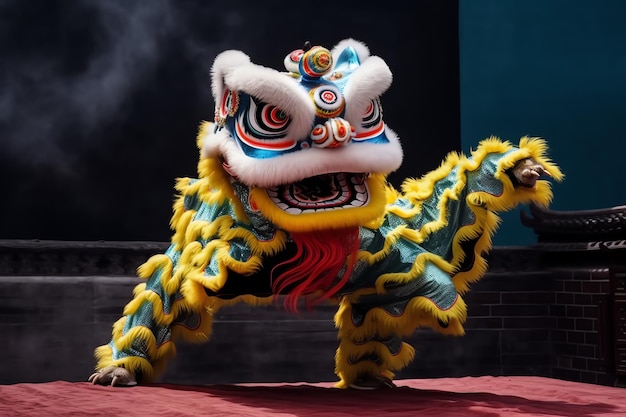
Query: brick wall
point(517, 305)
point(557, 322)
point(582, 331)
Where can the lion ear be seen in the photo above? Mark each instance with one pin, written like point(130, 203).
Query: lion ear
point(360, 49)
point(224, 64)
point(363, 89)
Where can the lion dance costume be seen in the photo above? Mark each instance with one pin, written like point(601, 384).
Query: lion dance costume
point(291, 199)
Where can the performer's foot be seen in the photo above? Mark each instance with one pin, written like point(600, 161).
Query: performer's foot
point(372, 382)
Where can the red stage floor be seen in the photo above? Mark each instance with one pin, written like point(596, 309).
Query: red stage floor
point(458, 397)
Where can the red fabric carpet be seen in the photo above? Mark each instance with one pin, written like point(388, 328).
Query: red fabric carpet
point(458, 397)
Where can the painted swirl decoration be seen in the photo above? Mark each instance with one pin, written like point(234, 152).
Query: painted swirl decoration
point(264, 126)
point(372, 123)
point(316, 62)
point(333, 133)
point(292, 61)
point(328, 100)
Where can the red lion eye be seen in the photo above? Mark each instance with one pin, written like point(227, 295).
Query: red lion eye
point(273, 117)
point(278, 114)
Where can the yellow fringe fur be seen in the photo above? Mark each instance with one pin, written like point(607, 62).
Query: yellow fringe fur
point(213, 187)
point(482, 204)
point(421, 312)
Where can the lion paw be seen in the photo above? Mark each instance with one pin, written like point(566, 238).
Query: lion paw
point(528, 171)
point(114, 376)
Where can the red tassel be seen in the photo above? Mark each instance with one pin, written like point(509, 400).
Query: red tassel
point(313, 271)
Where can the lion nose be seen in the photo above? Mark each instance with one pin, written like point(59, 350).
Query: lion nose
point(333, 133)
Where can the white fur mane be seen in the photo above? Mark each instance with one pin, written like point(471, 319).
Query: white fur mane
point(233, 70)
point(296, 166)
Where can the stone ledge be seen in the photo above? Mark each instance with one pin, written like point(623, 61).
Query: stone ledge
point(74, 258)
point(81, 258)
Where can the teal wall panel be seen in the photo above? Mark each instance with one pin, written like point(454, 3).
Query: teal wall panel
point(555, 69)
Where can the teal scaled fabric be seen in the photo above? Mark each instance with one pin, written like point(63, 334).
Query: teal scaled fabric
point(434, 283)
point(145, 315)
point(239, 250)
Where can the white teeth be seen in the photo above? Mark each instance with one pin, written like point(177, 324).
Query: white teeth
point(352, 192)
point(356, 179)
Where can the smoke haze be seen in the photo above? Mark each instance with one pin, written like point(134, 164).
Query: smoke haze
point(89, 63)
point(100, 100)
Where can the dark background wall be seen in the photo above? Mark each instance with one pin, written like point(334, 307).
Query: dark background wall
point(100, 100)
point(553, 69)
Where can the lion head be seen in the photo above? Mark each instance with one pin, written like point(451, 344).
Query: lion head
point(309, 142)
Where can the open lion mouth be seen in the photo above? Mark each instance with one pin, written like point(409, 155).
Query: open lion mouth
point(325, 192)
